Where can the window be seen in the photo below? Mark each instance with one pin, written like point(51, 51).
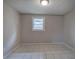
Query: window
point(38, 23)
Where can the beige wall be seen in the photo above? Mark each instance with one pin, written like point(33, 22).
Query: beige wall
point(53, 30)
point(69, 29)
point(11, 25)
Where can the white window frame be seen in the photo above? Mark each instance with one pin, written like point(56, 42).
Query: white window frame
point(43, 23)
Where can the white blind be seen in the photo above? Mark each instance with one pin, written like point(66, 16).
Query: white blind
point(38, 24)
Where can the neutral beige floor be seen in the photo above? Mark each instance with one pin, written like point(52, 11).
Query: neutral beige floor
point(42, 51)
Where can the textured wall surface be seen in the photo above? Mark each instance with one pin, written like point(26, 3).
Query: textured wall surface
point(69, 28)
point(11, 23)
point(53, 30)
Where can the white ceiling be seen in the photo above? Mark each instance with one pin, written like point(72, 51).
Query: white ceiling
point(55, 7)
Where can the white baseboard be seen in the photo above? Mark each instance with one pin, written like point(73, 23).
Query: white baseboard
point(8, 53)
point(57, 43)
point(42, 43)
point(69, 46)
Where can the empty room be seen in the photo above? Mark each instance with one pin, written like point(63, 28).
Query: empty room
point(39, 29)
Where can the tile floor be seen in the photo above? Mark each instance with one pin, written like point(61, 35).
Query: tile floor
point(42, 51)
